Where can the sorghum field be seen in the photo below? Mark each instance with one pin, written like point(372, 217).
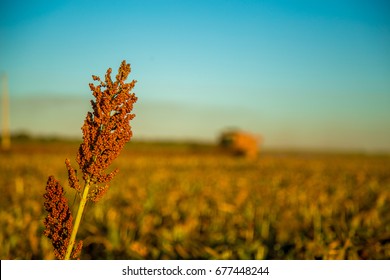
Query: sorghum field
point(193, 202)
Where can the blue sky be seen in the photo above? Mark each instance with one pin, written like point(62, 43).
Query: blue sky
point(304, 74)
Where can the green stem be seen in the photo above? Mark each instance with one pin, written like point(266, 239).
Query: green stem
point(77, 221)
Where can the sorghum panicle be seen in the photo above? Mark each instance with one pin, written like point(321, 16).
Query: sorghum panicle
point(107, 129)
point(58, 223)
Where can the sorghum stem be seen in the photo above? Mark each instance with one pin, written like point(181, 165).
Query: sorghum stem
point(77, 221)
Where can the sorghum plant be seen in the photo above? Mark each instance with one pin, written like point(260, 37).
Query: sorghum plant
point(105, 131)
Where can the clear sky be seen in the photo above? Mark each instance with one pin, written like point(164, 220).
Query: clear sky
point(304, 74)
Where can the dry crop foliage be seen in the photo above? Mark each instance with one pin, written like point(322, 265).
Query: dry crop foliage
point(105, 132)
point(206, 205)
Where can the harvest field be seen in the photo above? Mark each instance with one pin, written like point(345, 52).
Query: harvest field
point(188, 201)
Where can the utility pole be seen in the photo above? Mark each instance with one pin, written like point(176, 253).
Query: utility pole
point(5, 135)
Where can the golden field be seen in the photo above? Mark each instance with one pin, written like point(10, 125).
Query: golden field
point(193, 202)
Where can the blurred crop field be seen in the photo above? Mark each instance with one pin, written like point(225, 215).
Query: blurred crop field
point(189, 201)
